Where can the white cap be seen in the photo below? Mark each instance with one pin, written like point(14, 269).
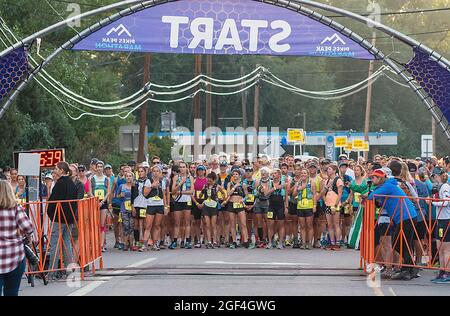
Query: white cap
point(145, 164)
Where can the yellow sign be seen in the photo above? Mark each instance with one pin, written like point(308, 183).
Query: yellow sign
point(366, 146)
point(340, 141)
point(349, 147)
point(295, 136)
point(358, 144)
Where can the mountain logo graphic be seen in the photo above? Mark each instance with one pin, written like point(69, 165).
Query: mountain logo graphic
point(119, 30)
point(333, 40)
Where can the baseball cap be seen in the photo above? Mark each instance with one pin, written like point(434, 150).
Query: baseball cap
point(94, 161)
point(248, 169)
point(378, 173)
point(439, 171)
point(131, 163)
point(223, 163)
point(145, 164)
point(342, 157)
point(81, 168)
point(108, 166)
point(313, 165)
point(412, 167)
point(48, 176)
point(342, 164)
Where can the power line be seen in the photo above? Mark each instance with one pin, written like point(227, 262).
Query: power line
point(421, 11)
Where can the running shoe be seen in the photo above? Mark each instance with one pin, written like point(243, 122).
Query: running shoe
point(216, 245)
point(135, 248)
point(233, 245)
point(316, 244)
point(187, 245)
point(288, 243)
point(296, 244)
point(308, 246)
point(173, 245)
point(198, 245)
point(280, 246)
point(156, 248)
point(439, 276)
point(182, 245)
point(251, 246)
point(121, 246)
point(302, 246)
point(142, 249)
point(117, 245)
point(104, 249)
point(444, 279)
point(269, 246)
point(402, 275)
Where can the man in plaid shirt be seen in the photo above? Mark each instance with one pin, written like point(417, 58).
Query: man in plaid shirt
point(13, 223)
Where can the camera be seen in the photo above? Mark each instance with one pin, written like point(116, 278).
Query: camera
point(435, 188)
point(369, 183)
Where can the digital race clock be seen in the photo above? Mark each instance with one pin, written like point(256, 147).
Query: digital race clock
point(49, 157)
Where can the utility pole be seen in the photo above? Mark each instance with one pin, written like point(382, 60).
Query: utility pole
point(208, 96)
point(143, 115)
point(256, 117)
point(244, 115)
point(197, 104)
point(369, 99)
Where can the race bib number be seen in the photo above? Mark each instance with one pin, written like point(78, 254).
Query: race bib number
point(127, 205)
point(100, 194)
point(23, 201)
point(270, 215)
point(358, 197)
point(189, 203)
point(120, 218)
point(220, 196)
point(237, 205)
point(156, 198)
point(210, 203)
point(250, 198)
point(347, 209)
point(198, 194)
point(441, 233)
point(305, 204)
point(143, 213)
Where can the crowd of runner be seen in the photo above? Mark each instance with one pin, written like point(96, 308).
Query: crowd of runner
point(264, 203)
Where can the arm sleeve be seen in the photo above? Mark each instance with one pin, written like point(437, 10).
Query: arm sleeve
point(23, 222)
point(445, 195)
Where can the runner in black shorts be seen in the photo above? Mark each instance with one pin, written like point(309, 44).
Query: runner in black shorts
point(249, 201)
point(262, 193)
point(236, 195)
point(292, 210)
point(278, 208)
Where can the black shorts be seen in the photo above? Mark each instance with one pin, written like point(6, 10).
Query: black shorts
point(209, 211)
point(138, 213)
point(443, 230)
point(421, 231)
point(180, 206)
point(196, 212)
point(230, 208)
point(277, 214)
point(153, 210)
point(320, 210)
point(116, 209)
point(380, 231)
point(305, 213)
point(292, 209)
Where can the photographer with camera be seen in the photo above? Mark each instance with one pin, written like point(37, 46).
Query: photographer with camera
point(403, 220)
point(12, 254)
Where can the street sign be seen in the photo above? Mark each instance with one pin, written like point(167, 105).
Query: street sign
point(366, 147)
point(340, 141)
point(358, 144)
point(295, 136)
point(349, 147)
point(427, 146)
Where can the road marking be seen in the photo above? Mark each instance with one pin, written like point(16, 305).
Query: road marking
point(95, 284)
point(260, 263)
point(392, 291)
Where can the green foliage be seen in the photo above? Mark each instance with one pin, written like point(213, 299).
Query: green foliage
point(37, 120)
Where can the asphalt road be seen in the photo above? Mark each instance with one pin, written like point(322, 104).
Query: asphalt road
point(234, 272)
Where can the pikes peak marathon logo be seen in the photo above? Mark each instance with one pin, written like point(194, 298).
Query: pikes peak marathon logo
point(334, 46)
point(119, 38)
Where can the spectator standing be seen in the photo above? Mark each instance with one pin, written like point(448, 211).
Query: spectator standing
point(12, 256)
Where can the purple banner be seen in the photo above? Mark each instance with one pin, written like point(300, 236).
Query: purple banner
point(222, 27)
point(13, 69)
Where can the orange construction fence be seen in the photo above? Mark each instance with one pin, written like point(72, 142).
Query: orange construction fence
point(76, 244)
point(399, 245)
